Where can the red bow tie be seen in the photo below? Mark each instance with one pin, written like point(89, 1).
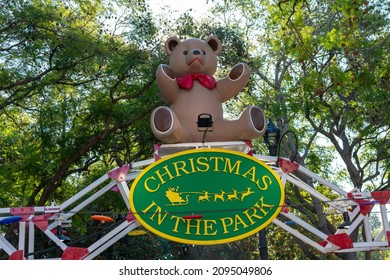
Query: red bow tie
point(187, 81)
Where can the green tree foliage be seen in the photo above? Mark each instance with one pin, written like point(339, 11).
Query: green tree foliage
point(68, 83)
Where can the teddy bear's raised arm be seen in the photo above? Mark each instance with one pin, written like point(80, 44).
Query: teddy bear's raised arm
point(231, 85)
point(166, 82)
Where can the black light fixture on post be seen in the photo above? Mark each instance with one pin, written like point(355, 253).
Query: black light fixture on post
point(271, 139)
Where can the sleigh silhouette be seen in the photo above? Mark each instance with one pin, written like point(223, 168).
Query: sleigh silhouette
point(175, 197)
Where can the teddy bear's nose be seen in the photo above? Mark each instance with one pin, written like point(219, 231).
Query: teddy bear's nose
point(196, 52)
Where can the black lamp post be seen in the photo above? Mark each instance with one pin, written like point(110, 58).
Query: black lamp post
point(271, 139)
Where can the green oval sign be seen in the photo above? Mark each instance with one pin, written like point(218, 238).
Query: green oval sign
point(206, 196)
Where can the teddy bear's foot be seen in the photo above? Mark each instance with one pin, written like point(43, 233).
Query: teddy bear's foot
point(162, 119)
point(258, 119)
point(255, 121)
point(167, 127)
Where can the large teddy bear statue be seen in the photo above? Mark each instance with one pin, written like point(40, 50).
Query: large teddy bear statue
point(195, 98)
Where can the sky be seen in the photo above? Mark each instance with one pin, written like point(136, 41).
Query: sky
point(199, 7)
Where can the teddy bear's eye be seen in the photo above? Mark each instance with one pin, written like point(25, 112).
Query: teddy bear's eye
point(204, 53)
point(185, 52)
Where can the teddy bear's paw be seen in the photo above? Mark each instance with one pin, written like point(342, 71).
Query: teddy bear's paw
point(162, 119)
point(237, 71)
point(168, 71)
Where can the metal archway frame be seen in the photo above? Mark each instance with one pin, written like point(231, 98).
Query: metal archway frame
point(46, 218)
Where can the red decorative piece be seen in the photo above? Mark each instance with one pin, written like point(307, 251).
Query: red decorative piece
point(388, 237)
point(42, 221)
point(381, 196)
point(364, 204)
point(365, 208)
point(24, 212)
point(341, 240)
point(288, 166)
point(120, 173)
point(323, 243)
point(17, 255)
point(155, 148)
point(74, 253)
point(192, 217)
point(130, 217)
point(249, 144)
point(115, 189)
point(285, 209)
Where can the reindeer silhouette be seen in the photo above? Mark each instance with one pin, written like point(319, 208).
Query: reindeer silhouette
point(204, 197)
point(245, 194)
point(219, 196)
point(233, 195)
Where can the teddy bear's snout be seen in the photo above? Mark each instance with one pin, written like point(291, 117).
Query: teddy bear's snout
point(196, 52)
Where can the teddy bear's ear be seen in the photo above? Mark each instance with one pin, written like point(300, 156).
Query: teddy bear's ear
point(171, 43)
point(215, 44)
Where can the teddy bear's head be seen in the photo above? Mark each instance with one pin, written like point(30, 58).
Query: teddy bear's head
point(193, 56)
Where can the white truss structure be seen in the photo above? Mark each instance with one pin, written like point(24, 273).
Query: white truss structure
point(354, 206)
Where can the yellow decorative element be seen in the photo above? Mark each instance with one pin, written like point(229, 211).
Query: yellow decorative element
point(175, 198)
point(137, 232)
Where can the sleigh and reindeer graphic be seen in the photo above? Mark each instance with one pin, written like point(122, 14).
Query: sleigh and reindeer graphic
point(176, 199)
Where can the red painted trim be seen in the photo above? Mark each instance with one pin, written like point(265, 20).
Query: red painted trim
point(250, 145)
point(120, 173)
point(365, 208)
point(341, 240)
point(285, 208)
point(42, 221)
point(74, 253)
point(115, 189)
point(364, 204)
point(382, 197)
point(24, 212)
point(17, 255)
point(130, 217)
point(156, 147)
point(192, 217)
point(323, 243)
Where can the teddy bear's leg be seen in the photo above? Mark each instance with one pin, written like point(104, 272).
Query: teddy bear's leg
point(251, 124)
point(258, 119)
point(254, 122)
point(161, 119)
point(166, 126)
